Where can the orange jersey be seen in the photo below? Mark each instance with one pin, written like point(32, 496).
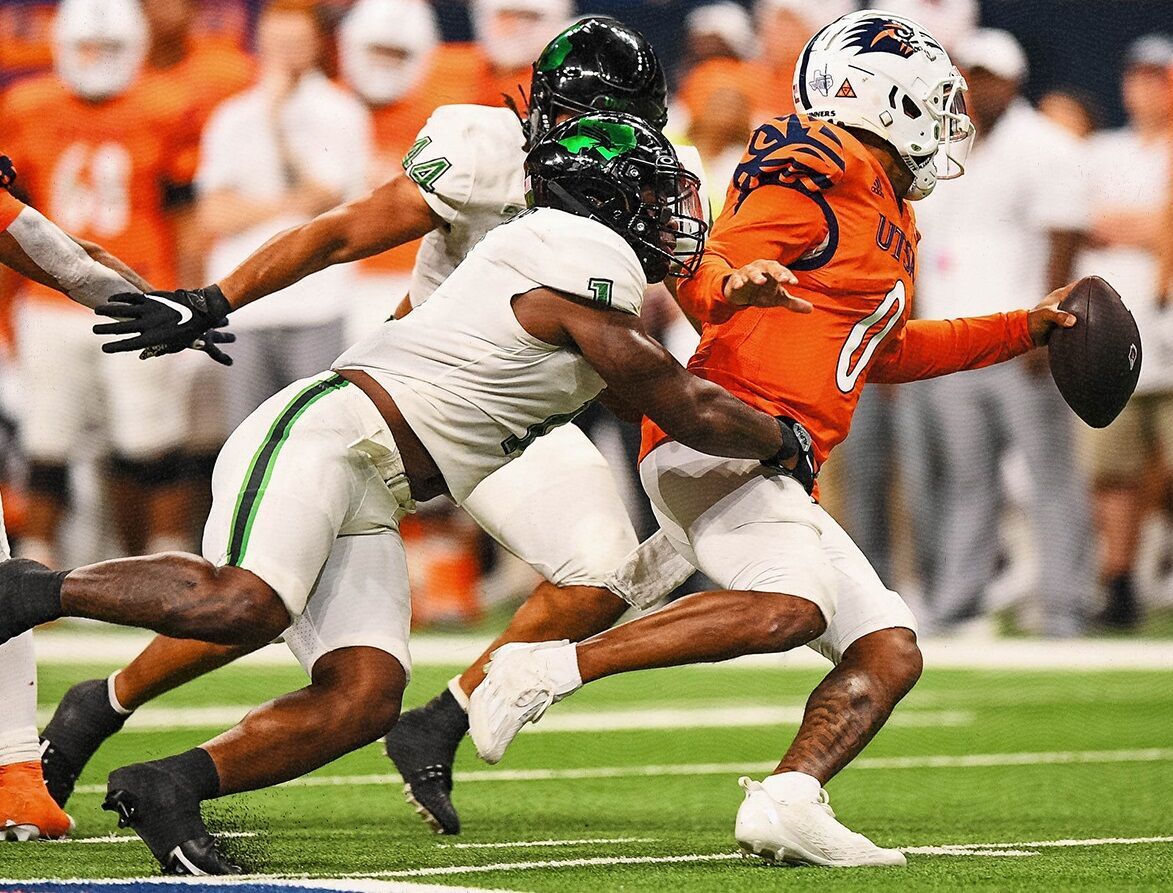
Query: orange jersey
point(811, 196)
point(102, 171)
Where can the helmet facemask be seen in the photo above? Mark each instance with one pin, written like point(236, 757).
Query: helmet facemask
point(955, 135)
point(593, 167)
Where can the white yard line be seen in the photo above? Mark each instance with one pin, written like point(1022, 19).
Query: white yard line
point(79, 644)
point(963, 761)
point(345, 884)
point(995, 850)
point(132, 838)
point(522, 844)
point(622, 720)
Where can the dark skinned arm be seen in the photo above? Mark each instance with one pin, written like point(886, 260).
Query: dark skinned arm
point(641, 373)
point(391, 215)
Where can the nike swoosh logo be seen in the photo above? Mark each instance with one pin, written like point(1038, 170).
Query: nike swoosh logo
point(185, 314)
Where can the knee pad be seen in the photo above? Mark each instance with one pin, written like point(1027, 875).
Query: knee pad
point(169, 468)
point(50, 479)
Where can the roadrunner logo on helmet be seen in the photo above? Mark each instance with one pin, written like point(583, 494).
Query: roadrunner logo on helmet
point(620, 170)
point(886, 74)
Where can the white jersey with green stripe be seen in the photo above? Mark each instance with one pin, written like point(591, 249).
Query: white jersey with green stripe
point(468, 162)
point(473, 384)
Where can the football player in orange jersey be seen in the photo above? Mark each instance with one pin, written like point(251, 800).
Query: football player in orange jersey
point(97, 153)
point(35, 248)
point(817, 217)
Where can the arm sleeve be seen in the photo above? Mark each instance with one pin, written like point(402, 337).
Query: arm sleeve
point(64, 261)
point(927, 348)
point(776, 209)
point(443, 161)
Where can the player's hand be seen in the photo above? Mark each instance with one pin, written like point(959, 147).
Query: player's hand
point(1047, 316)
point(168, 322)
point(796, 457)
point(763, 284)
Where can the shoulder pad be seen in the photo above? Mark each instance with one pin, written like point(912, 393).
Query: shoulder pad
point(793, 151)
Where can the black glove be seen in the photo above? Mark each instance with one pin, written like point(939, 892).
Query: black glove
point(796, 441)
point(7, 172)
point(164, 322)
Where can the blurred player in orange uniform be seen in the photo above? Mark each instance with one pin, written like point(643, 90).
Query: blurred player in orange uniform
point(196, 74)
point(817, 220)
point(98, 153)
point(386, 51)
point(510, 35)
point(86, 274)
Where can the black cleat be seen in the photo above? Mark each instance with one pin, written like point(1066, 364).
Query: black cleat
point(199, 857)
point(81, 722)
point(165, 813)
point(422, 746)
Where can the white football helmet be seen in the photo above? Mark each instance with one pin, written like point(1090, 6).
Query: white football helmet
point(384, 47)
point(516, 41)
point(99, 46)
point(887, 75)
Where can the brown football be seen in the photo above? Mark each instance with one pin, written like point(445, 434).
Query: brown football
point(1096, 363)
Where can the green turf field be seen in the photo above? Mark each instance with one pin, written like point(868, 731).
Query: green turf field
point(1013, 762)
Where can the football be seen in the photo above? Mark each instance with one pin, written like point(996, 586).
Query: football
point(1096, 363)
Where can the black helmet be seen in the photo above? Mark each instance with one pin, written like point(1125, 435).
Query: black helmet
point(597, 64)
point(621, 171)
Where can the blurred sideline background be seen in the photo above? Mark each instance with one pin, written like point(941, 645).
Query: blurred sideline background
point(980, 498)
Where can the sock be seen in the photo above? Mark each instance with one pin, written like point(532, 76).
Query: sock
point(115, 704)
point(457, 693)
point(428, 735)
point(792, 787)
point(198, 771)
point(18, 702)
point(31, 594)
point(562, 661)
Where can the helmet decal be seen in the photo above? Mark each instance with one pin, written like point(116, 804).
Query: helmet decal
point(607, 138)
point(879, 35)
point(555, 54)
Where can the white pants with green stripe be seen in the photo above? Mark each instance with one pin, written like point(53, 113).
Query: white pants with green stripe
point(300, 498)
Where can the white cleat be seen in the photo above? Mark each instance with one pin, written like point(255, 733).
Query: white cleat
point(803, 833)
point(521, 682)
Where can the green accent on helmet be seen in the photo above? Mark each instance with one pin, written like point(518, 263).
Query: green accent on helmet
point(555, 54)
point(608, 139)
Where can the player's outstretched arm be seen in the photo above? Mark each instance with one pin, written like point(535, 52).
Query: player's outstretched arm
point(39, 250)
point(644, 375)
point(158, 323)
point(391, 215)
point(928, 348)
